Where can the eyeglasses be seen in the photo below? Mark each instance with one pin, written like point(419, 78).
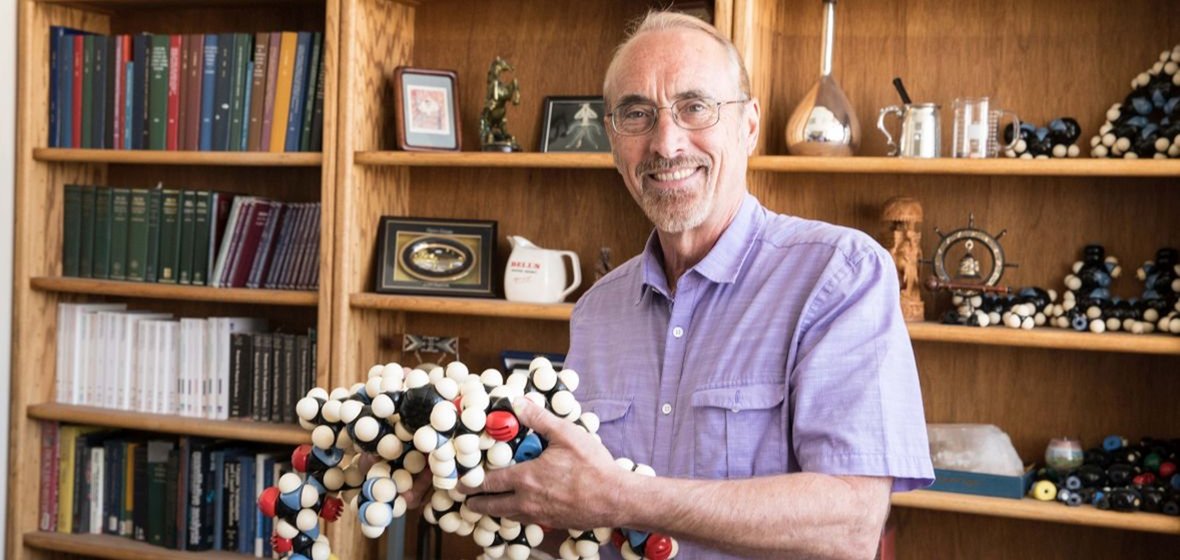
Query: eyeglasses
point(694, 113)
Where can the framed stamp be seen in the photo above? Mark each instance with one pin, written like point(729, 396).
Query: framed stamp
point(427, 109)
point(436, 257)
point(574, 124)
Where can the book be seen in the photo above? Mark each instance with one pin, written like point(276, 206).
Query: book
point(169, 259)
point(140, 90)
point(317, 117)
point(208, 91)
point(86, 252)
point(47, 498)
point(152, 260)
point(172, 115)
point(241, 380)
point(137, 234)
point(309, 91)
point(201, 239)
point(157, 479)
point(193, 92)
point(119, 99)
point(157, 104)
point(101, 257)
point(282, 102)
point(120, 210)
point(239, 78)
point(61, 50)
point(71, 245)
point(84, 120)
point(188, 216)
point(221, 96)
point(263, 257)
point(97, 113)
point(273, 50)
point(243, 257)
point(258, 92)
point(109, 77)
point(298, 86)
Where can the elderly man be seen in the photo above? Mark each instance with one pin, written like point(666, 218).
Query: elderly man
point(757, 361)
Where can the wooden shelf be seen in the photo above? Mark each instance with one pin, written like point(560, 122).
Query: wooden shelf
point(1078, 167)
point(243, 430)
point(1046, 337)
point(174, 292)
point(463, 306)
point(110, 546)
point(1035, 510)
point(157, 157)
point(530, 160)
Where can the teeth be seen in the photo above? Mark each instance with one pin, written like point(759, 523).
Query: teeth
point(675, 175)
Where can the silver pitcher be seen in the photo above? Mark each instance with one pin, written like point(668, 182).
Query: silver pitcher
point(920, 136)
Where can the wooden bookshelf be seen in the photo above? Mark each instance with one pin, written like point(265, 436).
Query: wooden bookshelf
point(173, 291)
point(111, 546)
point(1035, 510)
point(146, 157)
point(1047, 337)
point(528, 160)
point(242, 430)
point(463, 306)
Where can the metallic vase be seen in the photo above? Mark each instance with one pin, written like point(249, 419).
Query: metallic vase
point(824, 123)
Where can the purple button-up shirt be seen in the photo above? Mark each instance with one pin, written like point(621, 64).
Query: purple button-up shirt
point(783, 350)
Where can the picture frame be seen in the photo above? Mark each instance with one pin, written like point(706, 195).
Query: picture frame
point(426, 109)
point(574, 124)
point(448, 257)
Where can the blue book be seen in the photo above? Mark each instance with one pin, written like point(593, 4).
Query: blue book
point(298, 84)
point(61, 73)
point(247, 505)
point(137, 90)
point(128, 108)
point(208, 84)
point(245, 132)
point(221, 95)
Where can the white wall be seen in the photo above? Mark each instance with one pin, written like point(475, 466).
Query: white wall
point(7, 188)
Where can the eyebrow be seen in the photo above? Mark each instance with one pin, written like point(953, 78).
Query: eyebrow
point(636, 98)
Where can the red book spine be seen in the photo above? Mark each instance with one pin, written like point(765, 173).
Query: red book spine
point(192, 95)
point(181, 90)
point(49, 460)
point(120, 70)
point(244, 259)
point(76, 116)
point(173, 92)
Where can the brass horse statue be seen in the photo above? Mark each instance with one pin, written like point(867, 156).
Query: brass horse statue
point(492, 121)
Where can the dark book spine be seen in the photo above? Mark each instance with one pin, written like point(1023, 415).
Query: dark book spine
point(258, 93)
point(290, 380)
point(308, 99)
point(262, 346)
point(303, 359)
point(291, 214)
point(221, 99)
point(86, 253)
point(56, 32)
point(268, 103)
point(137, 234)
point(120, 210)
point(188, 216)
point(98, 92)
point(171, 489)
point(263, 257)
point(158, 96)
point(88, 91)
point(65, 90)
point(231, 504)
point(241, 375)
point(275, 376)
point(152, 262)
point(317, 117)
point(239, 78)
point(191, 96)
point(138, 90)
point(109, 101)
point(200, 243)
point(169, 262)
point(71, 246)
point(139, 511)
point(208, 92)
point(77, 82)
point(102, 233)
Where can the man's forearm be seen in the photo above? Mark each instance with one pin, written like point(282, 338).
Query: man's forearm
point(803, 515)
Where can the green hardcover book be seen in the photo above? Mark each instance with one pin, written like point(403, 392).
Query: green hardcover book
point(120, 206)
point(137, 234)
point(152, 263)
point(87, 90)
point(157, 482)
point(158, 92)
point(204, 201)
point(309, 93)
point(240, 60)
point(71, 244)
point(102, 233)
point(86, 253)
point(184, 267)
point(169, 260)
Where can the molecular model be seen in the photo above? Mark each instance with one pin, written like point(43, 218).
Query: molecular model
point(1117, 476)
point(1147, 123)
point(460, 425)
point(1058, 140)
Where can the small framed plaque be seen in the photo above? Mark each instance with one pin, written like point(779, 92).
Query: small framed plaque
point(436, 257)
point(427, 109)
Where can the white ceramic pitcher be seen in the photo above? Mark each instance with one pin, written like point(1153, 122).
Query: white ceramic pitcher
point(536, 275)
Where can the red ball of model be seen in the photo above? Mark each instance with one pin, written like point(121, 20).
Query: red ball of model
point(502, 425)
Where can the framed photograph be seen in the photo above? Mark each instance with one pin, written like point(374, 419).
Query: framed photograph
point(574, 124)
point(519, 360)
point(436, 257)
point(427, 109)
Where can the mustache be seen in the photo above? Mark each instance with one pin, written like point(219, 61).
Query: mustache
point(664, 164)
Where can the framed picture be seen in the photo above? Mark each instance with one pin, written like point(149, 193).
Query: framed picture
point(427, 109)
point(436, 257)
point(519, 360)
point(574, 124)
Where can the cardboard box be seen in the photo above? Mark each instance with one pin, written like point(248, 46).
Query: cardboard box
point(996, 486)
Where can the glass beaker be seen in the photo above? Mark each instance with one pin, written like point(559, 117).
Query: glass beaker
point(976, 131)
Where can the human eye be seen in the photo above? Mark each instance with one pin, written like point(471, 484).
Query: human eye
point(636, 112)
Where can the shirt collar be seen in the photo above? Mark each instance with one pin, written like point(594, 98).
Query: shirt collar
point(724, 261)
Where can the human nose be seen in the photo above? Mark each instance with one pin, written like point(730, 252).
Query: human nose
point(668, 137)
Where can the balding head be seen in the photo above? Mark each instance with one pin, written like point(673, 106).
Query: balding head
point(656, 20)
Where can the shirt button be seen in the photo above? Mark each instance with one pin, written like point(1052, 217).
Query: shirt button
point(666, 409)
point(677, 332)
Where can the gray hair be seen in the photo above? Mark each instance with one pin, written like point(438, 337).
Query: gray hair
point(663, 20)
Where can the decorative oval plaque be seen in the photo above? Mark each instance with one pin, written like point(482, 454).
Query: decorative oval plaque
point(437, 259)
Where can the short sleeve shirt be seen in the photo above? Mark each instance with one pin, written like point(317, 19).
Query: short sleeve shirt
point(783, 350)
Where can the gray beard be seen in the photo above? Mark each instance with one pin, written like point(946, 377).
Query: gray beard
point(675, 211)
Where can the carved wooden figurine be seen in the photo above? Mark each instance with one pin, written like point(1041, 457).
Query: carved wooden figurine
point(904, 215)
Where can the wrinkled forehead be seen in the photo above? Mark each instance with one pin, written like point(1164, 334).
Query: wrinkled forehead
point(663, 66)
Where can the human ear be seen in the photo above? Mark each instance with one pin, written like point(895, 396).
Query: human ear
point(753, 125)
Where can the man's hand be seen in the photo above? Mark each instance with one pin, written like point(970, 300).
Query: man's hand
point(573, 484)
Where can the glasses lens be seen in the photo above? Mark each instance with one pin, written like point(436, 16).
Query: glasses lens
point(695, 113)
point(634, 118)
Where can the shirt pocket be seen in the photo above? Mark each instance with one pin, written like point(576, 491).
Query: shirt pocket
point(613, 415)
point(738, 431)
